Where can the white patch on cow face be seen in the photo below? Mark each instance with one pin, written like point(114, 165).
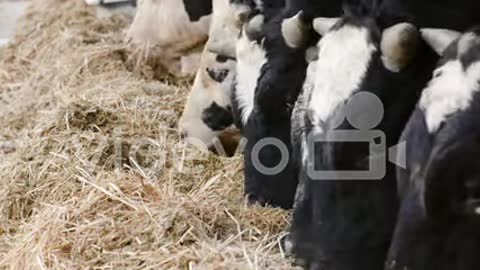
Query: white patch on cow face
point(452, 88)
point(301, 106)
point(449, 92)
point(344, 56)
point(250, 59)
point(225, 27)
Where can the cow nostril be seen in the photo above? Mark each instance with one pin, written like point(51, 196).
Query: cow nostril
point(253, 199)
point(218, 75)
point(183, 135)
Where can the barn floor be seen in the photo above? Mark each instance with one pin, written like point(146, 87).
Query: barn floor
point(92, 172)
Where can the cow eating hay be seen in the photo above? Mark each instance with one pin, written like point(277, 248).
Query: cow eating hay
point(95, 175)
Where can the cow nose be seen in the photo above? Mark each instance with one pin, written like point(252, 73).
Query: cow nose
point(253, 199)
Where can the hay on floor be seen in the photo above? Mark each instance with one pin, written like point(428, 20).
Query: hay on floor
point(92, 172)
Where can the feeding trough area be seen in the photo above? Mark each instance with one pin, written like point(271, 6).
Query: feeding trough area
point(93, 173)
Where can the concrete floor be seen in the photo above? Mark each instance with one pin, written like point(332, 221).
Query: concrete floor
point(10, 11)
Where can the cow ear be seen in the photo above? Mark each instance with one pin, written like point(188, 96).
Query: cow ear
point(323, 25)
point(399, 46)
point(294, 30)
point(439, 39)
point(254, 27)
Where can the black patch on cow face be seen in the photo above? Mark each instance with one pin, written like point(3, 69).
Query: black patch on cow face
point(196, 9)
point(221, 58)
point(217, 75)
point(217, 118)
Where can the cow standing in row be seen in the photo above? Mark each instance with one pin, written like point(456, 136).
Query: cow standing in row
point(365, 62)
point(373, 55)
point(270, 74)
point(346, 223)
point(207, 117)
point(439, 220)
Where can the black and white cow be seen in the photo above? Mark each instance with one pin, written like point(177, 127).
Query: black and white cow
point(270, 75)
point(439, 221)
point(207, 114)
point(178, 28)
point(368, 76)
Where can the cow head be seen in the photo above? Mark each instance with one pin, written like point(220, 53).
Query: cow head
point(207, 115)
point(358, 54)
point(176, 28)
point(251, 56)
point(228, 18)
point(264, 69)
point(398, 44)
point(450, 104)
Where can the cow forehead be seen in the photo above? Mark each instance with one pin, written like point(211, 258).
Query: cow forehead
point(344, 56)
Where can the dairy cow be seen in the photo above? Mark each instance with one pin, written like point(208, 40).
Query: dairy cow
point(270, 75)
point(438, 224)
point(359, 94)
point(207, 113)
point(177, 28)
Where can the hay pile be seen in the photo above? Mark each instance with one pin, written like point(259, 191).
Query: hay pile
point(92, 172)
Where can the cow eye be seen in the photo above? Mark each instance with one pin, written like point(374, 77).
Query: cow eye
point(221, 58)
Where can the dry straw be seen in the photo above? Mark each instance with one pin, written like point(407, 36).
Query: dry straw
point(92, 172)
